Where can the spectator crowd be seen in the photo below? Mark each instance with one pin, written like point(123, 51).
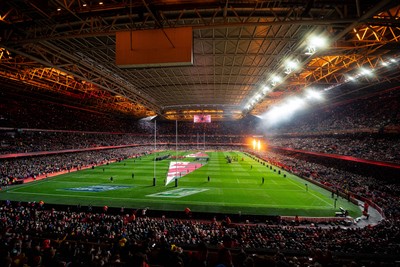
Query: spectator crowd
point(33, 235)
point(365, 147)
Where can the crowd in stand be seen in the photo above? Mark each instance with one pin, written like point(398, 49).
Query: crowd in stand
point(32, 235)
point(35, 236)
point(25, 112)
point(365, 147)
point(360, 146)
point(14, 169)
point(377, 113)
point(37, 141)
point(28, 113)
point(382, 191)
point(372, 114)
point(101, 239)
point(31, 167)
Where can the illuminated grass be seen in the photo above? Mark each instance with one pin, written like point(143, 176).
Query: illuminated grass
point(233, 187)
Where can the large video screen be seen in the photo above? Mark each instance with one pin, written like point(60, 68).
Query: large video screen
point(202, 118)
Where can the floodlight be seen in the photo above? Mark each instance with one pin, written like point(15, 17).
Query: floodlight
point(317, 41)
point(350, 78)
point(310, 50)
point(295, 103)
point(364, 71)
point(291, 65)
point(274, 114)
point(266, 89)
point(275, 80)
point(148, 118)
point(312, 94)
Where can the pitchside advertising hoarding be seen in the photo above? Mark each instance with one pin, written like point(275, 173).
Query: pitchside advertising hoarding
point(202, 118)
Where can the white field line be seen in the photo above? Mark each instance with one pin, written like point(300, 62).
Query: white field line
point(163, 200)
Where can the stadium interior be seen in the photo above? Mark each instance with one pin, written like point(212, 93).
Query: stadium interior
point(306, 88)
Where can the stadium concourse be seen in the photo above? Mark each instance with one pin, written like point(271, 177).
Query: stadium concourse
point(36, 146)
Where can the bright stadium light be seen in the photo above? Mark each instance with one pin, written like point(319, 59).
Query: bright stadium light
point(313, 95)
point(291, 65)
point(284, 111)
point(295, 103)
point(290, 106)
point(367, 72)
point(314, 43)
point(279, 114)
point(350, 78)
point(148, 118)
point(273, 115)
point(275, 80)
point(266, 89)
point(364, 71)
point(317, 41)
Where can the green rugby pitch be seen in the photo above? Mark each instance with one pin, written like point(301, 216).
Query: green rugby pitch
point(233, 187)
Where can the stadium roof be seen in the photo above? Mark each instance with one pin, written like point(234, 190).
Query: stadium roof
point(65, 50)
